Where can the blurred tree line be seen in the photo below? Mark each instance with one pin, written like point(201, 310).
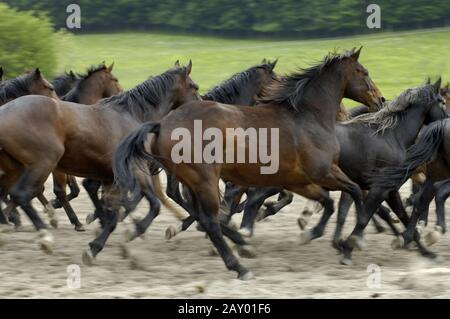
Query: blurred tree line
point(246, 17)
point(27, 41)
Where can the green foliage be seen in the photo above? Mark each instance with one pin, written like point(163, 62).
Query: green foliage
point(26, 42)
point(247, 17)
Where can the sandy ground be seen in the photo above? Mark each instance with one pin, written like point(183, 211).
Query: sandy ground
point(184, 268)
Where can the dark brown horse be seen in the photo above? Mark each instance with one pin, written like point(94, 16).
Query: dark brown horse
point(99, 82)
point(79, 140)
point(302, 109)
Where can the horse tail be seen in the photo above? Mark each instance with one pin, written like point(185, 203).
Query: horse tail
point(164, 200)
point(422, 152)
point(131, 153)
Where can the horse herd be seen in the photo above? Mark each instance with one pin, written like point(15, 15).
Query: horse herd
point(120, 142)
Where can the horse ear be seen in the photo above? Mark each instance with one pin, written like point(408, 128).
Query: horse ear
point(72, 74)
point(110, 68)
point(37, 73)
point(273, 64)
point(177, 64)
point(437, 85)
point(189, 68)
point(264, 61)
point(1, 73)
point(428, 81)
point(355, 54)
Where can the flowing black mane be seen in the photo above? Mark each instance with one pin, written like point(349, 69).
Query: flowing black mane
point(230, 90)
point(74, 94)
point(145, 98)
point(14, 88)
point(291, 91)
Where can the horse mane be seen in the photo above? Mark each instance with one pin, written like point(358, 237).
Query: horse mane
point(145, 98)
point(389, 116)
point(14, 88)
point(63, 83)
point(290, 92)
point(73, 94)
point(229, 90)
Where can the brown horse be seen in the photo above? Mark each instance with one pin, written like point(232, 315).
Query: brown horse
point(79, 140)
point(302, 109)
point(99, 82)
point(32, 82)
point(27, 84)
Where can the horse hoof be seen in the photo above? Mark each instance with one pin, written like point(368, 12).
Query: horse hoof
point(245, 232)
point(432, 237)
point(87, 258)
point(398, 243)
point(46, 241)
point(90, 218)
point(80, 228)
point(302, 222)
point(54, 223)
point(246, 251)
point(346, 262)
point(248, 275)
point(305, 237)
point(171, 232)
point(358, 242)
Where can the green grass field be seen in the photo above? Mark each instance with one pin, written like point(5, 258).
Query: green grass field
point(395, 60)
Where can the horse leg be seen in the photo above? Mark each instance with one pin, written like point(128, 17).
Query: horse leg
point(395, 202)
point(48, 209)
point(255, 199)
point(443, 192)
point(355, 239)
point(422, 204)
point(92, 187)
point(345, 202)
point(28, 186)
point(206, 200)
point(59, 188)
point(317, 193)
point(271, 208)
point(108, 219)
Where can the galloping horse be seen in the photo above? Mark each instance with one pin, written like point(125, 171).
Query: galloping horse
point(243, 88)
point(401, 121)
point(79, 140)
point(302, 108)
point(96, 84)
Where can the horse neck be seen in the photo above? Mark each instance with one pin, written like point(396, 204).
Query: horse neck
point(247, 95)
point(324, 98)
point(90, 92)
point(409, 126)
